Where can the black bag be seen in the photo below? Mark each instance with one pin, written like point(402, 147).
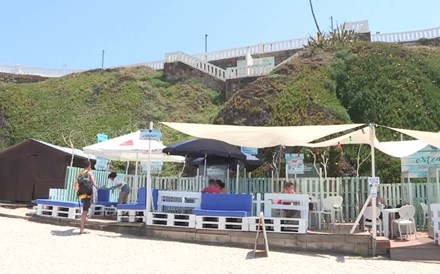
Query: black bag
point(85, 186)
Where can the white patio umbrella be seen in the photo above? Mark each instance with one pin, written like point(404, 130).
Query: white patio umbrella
point(130, 148)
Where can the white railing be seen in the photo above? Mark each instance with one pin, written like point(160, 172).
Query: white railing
point(249, 71)
point(156, 65)
point(407, 36)
point(195, 62)
point(254, 49)
point(229, 73)
point(45, 72)
point(200, 61)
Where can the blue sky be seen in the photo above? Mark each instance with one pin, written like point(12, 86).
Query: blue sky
point(73, 34)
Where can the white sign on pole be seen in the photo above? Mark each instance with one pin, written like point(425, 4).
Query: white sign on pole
point(150, 134)
point(373, 182)
point(101, 163)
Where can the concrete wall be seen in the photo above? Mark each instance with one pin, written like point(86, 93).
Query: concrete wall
point(347, 244)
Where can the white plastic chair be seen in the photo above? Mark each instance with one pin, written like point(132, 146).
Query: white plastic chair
point(425, 214)
point(406, 218)
point(315, 210)
point(368, 218)
point(330, 206)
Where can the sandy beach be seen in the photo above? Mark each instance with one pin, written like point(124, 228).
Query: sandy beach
point(30, 247)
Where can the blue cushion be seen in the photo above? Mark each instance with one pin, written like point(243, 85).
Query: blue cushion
point(103, 195)
point(108, 204)
point(58, 203)
point(131, 207)
point(227, 213)
point(227, 202)
point(142, 194)
point(141, 200)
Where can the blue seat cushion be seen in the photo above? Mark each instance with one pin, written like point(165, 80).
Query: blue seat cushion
point(58, 203)
point(141, 200)
point(226, 213)
point(103, 195)
point(108, 204)
point(227, 202)
point(131, 207)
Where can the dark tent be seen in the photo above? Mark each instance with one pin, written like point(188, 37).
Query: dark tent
point(30, 168)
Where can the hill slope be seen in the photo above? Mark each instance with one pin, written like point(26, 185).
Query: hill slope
point(386, 84)
point(114, 101)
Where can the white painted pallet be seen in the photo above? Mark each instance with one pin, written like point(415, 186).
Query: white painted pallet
point(171, 219)
point(97, 210)
point(222, 223)
point(280, 225)
point(58, 211)
point(131, 216)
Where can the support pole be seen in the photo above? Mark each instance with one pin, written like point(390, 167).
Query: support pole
point(371, 197)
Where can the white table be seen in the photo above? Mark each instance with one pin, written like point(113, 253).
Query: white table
point(386, 220)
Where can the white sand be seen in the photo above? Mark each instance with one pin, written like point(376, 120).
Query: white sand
point(29, 247)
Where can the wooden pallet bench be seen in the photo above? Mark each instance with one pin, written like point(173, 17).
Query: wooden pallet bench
point(171, 219)
point(222, 223)
point(280, 225)
point(58, 209)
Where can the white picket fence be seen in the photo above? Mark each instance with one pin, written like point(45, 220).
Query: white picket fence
point(354, 190)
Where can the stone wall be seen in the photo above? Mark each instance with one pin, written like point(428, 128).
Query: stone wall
point(179, 71)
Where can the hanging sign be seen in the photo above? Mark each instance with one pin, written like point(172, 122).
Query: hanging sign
point(150, 134)
point(249, 150)
point(156, 167)
point(294, 163)
point(373, 182)
point(101, 163)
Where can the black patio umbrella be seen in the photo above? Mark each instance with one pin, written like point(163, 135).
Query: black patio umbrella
point(251, 163)
point(205, 148)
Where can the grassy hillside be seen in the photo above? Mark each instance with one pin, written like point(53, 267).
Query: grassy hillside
point(360, 82)
point(115, 102)
point(386, 84)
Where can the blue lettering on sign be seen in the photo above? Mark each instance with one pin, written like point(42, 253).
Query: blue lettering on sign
point(150, 134)
point(249, 150)
point(418, 164)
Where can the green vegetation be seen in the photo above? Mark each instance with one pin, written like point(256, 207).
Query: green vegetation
point(340, 80)
point(114, 101)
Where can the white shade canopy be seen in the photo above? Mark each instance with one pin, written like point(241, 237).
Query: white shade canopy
point(260, 137)
point(130, 147)
point(362, 136)
point(431, 138)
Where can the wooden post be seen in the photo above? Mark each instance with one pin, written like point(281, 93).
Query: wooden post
point(262, 227)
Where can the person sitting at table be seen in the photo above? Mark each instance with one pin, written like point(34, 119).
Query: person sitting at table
point(212, 187)
point(221, 185)
point(288, 189)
